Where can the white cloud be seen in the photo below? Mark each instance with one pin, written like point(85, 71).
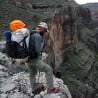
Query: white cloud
point(86, 1)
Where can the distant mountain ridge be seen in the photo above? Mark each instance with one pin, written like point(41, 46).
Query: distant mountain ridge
point(94, 11)
point(92, 6)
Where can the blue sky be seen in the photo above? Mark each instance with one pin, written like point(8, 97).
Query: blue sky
point(85, 1)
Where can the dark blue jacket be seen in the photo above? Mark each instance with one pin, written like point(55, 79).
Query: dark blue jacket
point(35, 45)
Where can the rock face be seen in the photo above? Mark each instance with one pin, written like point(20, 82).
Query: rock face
point(63, 32)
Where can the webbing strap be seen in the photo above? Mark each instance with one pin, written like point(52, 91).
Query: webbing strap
point(24, 42)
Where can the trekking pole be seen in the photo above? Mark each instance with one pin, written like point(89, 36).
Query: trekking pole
point(38, 76)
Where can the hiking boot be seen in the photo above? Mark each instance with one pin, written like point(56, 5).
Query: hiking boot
point(39, 89)
point(53, 90)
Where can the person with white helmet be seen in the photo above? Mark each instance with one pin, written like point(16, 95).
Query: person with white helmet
point(36, 63)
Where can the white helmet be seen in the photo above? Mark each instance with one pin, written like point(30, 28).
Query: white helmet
point(43, 25)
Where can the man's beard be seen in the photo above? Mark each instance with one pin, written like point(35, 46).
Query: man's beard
point(41, 33)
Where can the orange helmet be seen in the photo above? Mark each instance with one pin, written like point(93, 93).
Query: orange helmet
point(16, 24)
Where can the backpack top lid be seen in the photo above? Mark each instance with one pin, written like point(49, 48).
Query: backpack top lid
point(16, 24)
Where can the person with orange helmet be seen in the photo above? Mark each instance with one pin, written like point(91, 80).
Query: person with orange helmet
point(19, 30)
point(17, 40)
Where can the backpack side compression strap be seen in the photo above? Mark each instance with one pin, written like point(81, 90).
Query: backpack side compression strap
point(24, 42)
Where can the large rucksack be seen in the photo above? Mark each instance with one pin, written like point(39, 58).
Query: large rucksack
point(14, 49)
point(17, 51)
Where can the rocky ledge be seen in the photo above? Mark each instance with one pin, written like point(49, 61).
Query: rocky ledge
point(14, 82)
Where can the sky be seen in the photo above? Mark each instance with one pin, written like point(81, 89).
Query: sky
point(86, 1)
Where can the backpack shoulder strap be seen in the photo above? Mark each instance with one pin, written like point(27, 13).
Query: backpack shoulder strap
point(24, 39)
point(33, 32)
